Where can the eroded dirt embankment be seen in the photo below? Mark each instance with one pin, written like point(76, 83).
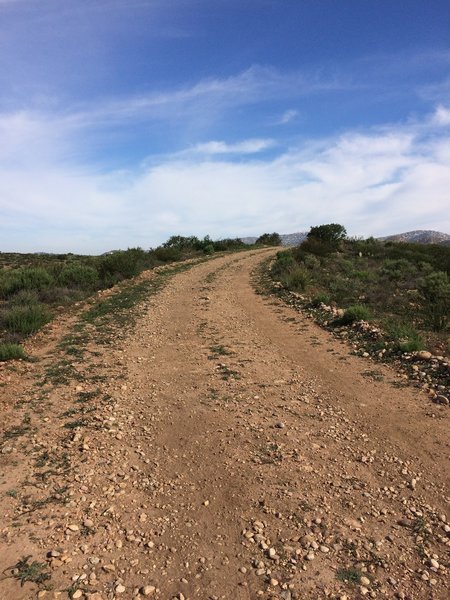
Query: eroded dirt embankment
point(225, 448)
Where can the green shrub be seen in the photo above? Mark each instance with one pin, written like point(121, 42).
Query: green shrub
point(434, 292)
point(296, 280)
point(24, 298)
point(208, 249)
point(311, 262)
point(398, 269)
point(354, 313)
point(228, 244)
point(78, 275)
point(317, 247)
point(11, 351)
point(122, 264)
point(167, 255)
point(284, 262)
point(404, 335)
point(320, 299)
point(332, 233)
point(35, 278)
point(269, 239)
point(26, 319)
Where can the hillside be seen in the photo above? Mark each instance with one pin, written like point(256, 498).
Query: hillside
point(287, 239)
point(419, 236)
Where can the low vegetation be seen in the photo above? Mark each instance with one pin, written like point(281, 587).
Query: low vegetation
point(33, 287)
point(402, 288)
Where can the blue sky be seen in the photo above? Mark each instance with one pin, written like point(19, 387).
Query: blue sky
point(124, 122)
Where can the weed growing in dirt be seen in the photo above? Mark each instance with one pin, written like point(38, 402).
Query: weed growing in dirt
point(220, 350)
point(350, 575)
point(35, 572)
point(19, 430)
point(11, 351)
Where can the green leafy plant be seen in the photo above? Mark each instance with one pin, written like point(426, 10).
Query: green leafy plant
point(354, 313)
point(35, 572)
point(269, 239)
point(26, 319)
point(78, 275)
point(11, 351)
point(296, 280)
point(435, 299)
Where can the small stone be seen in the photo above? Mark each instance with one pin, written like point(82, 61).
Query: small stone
point(324, 549)
point(434, 563)
point(148, 590)
point(310, 556)
point(206, 503)
point(73, 527)
point(274, 582)
point(280, 425)
point(365, 581)
point(272, 553)
point(77, 594)
point(120, 589)
point(243, 570)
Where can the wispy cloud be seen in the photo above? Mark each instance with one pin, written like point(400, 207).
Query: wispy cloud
point(441, 116)
point(287, 117)
point(376, 181)
point(252, 146)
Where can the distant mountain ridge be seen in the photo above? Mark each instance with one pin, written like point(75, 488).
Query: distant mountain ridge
point(419, 236)
point(287, 239)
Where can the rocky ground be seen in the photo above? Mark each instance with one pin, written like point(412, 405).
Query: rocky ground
point(189, 438)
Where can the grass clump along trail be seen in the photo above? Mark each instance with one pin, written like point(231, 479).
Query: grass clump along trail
point(34, 287)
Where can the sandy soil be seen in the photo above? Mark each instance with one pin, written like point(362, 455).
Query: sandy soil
point(231, 450)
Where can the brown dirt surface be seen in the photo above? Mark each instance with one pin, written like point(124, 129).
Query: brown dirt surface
point(219, 446)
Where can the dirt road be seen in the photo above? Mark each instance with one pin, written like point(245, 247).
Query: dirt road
point(226, 448)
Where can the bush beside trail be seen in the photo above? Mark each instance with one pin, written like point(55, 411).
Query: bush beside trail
point(403, 288)
point(32, 287)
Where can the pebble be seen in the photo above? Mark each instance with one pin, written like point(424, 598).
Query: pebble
point(434, 563)
point(148, 590)
point(120, 589)
point(365, 581)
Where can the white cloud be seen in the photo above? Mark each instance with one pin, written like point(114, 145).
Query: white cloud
point(374, 182)
point(288, 116)
point(252, 146)
point(441, 116)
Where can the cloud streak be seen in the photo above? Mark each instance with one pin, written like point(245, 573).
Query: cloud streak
point(377, 182)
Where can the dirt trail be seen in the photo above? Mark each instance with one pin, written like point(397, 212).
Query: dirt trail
point(238, 452)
